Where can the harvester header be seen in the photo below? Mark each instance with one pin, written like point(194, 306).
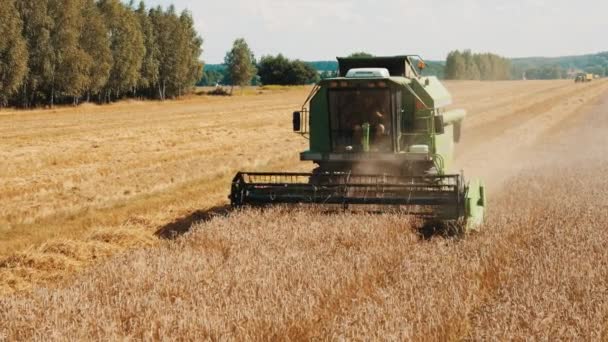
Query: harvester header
point(380, 135)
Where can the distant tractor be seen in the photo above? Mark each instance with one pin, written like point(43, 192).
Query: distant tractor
point(382, 137)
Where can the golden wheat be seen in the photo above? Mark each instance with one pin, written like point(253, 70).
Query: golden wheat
point(538, 270)
point(265, 274)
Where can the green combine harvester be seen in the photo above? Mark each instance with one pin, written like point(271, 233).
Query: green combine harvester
point(381, 138)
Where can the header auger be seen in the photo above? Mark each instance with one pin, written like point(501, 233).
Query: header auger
point(381, 138)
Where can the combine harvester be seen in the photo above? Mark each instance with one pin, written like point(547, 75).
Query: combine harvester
point(381, 138)
point(583, 78)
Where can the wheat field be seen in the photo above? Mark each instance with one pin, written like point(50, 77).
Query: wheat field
point(537, 270)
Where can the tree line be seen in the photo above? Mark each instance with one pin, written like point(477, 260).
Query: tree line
point(465, 65)
point(281, 70)
point(68, 51)
point(560, 67)
point(241, 68)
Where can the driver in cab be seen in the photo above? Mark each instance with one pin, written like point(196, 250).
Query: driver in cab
point(372, 114)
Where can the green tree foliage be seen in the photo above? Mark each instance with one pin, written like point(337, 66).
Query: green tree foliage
point(331, 66)
point(151, 62)
point(466, 65)
point(548, 72)
point(433, 68)
point(596, 70)
point(361, 54)
point(240, 63)
point(328, 74)
point(484, 64)
point(127, 45)
point(95, 42)
point(69, 63)
point(13, 52)
point(471, 68)
point(281, 70)
point(37, 25)
point(455, 66)
point(163, 32)
point(211, 78)
point(569, 66)
point(67, 50)
point(189, 69)
point(178, 49)
point(274, 69)
point(302, 73)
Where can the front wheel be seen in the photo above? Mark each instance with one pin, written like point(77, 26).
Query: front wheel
point(475, 204)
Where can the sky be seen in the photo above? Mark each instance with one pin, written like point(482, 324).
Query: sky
point(323, 29)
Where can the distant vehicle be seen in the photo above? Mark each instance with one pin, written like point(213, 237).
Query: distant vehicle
point(582, 78)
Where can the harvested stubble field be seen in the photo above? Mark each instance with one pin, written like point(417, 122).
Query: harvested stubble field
point(538, 269)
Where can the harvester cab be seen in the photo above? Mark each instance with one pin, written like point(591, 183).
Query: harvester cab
point(380, 136)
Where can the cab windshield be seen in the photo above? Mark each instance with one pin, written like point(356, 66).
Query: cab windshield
point(350, 111)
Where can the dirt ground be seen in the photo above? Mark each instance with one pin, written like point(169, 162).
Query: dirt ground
point(89, 182)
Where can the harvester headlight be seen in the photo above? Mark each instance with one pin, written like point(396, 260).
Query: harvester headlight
point(371, 85)
point(381, 84)
point(333, 84)
point(344, 84)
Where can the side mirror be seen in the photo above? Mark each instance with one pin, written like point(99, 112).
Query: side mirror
point(439, 126)
point(297, 121)
point(457, 131)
